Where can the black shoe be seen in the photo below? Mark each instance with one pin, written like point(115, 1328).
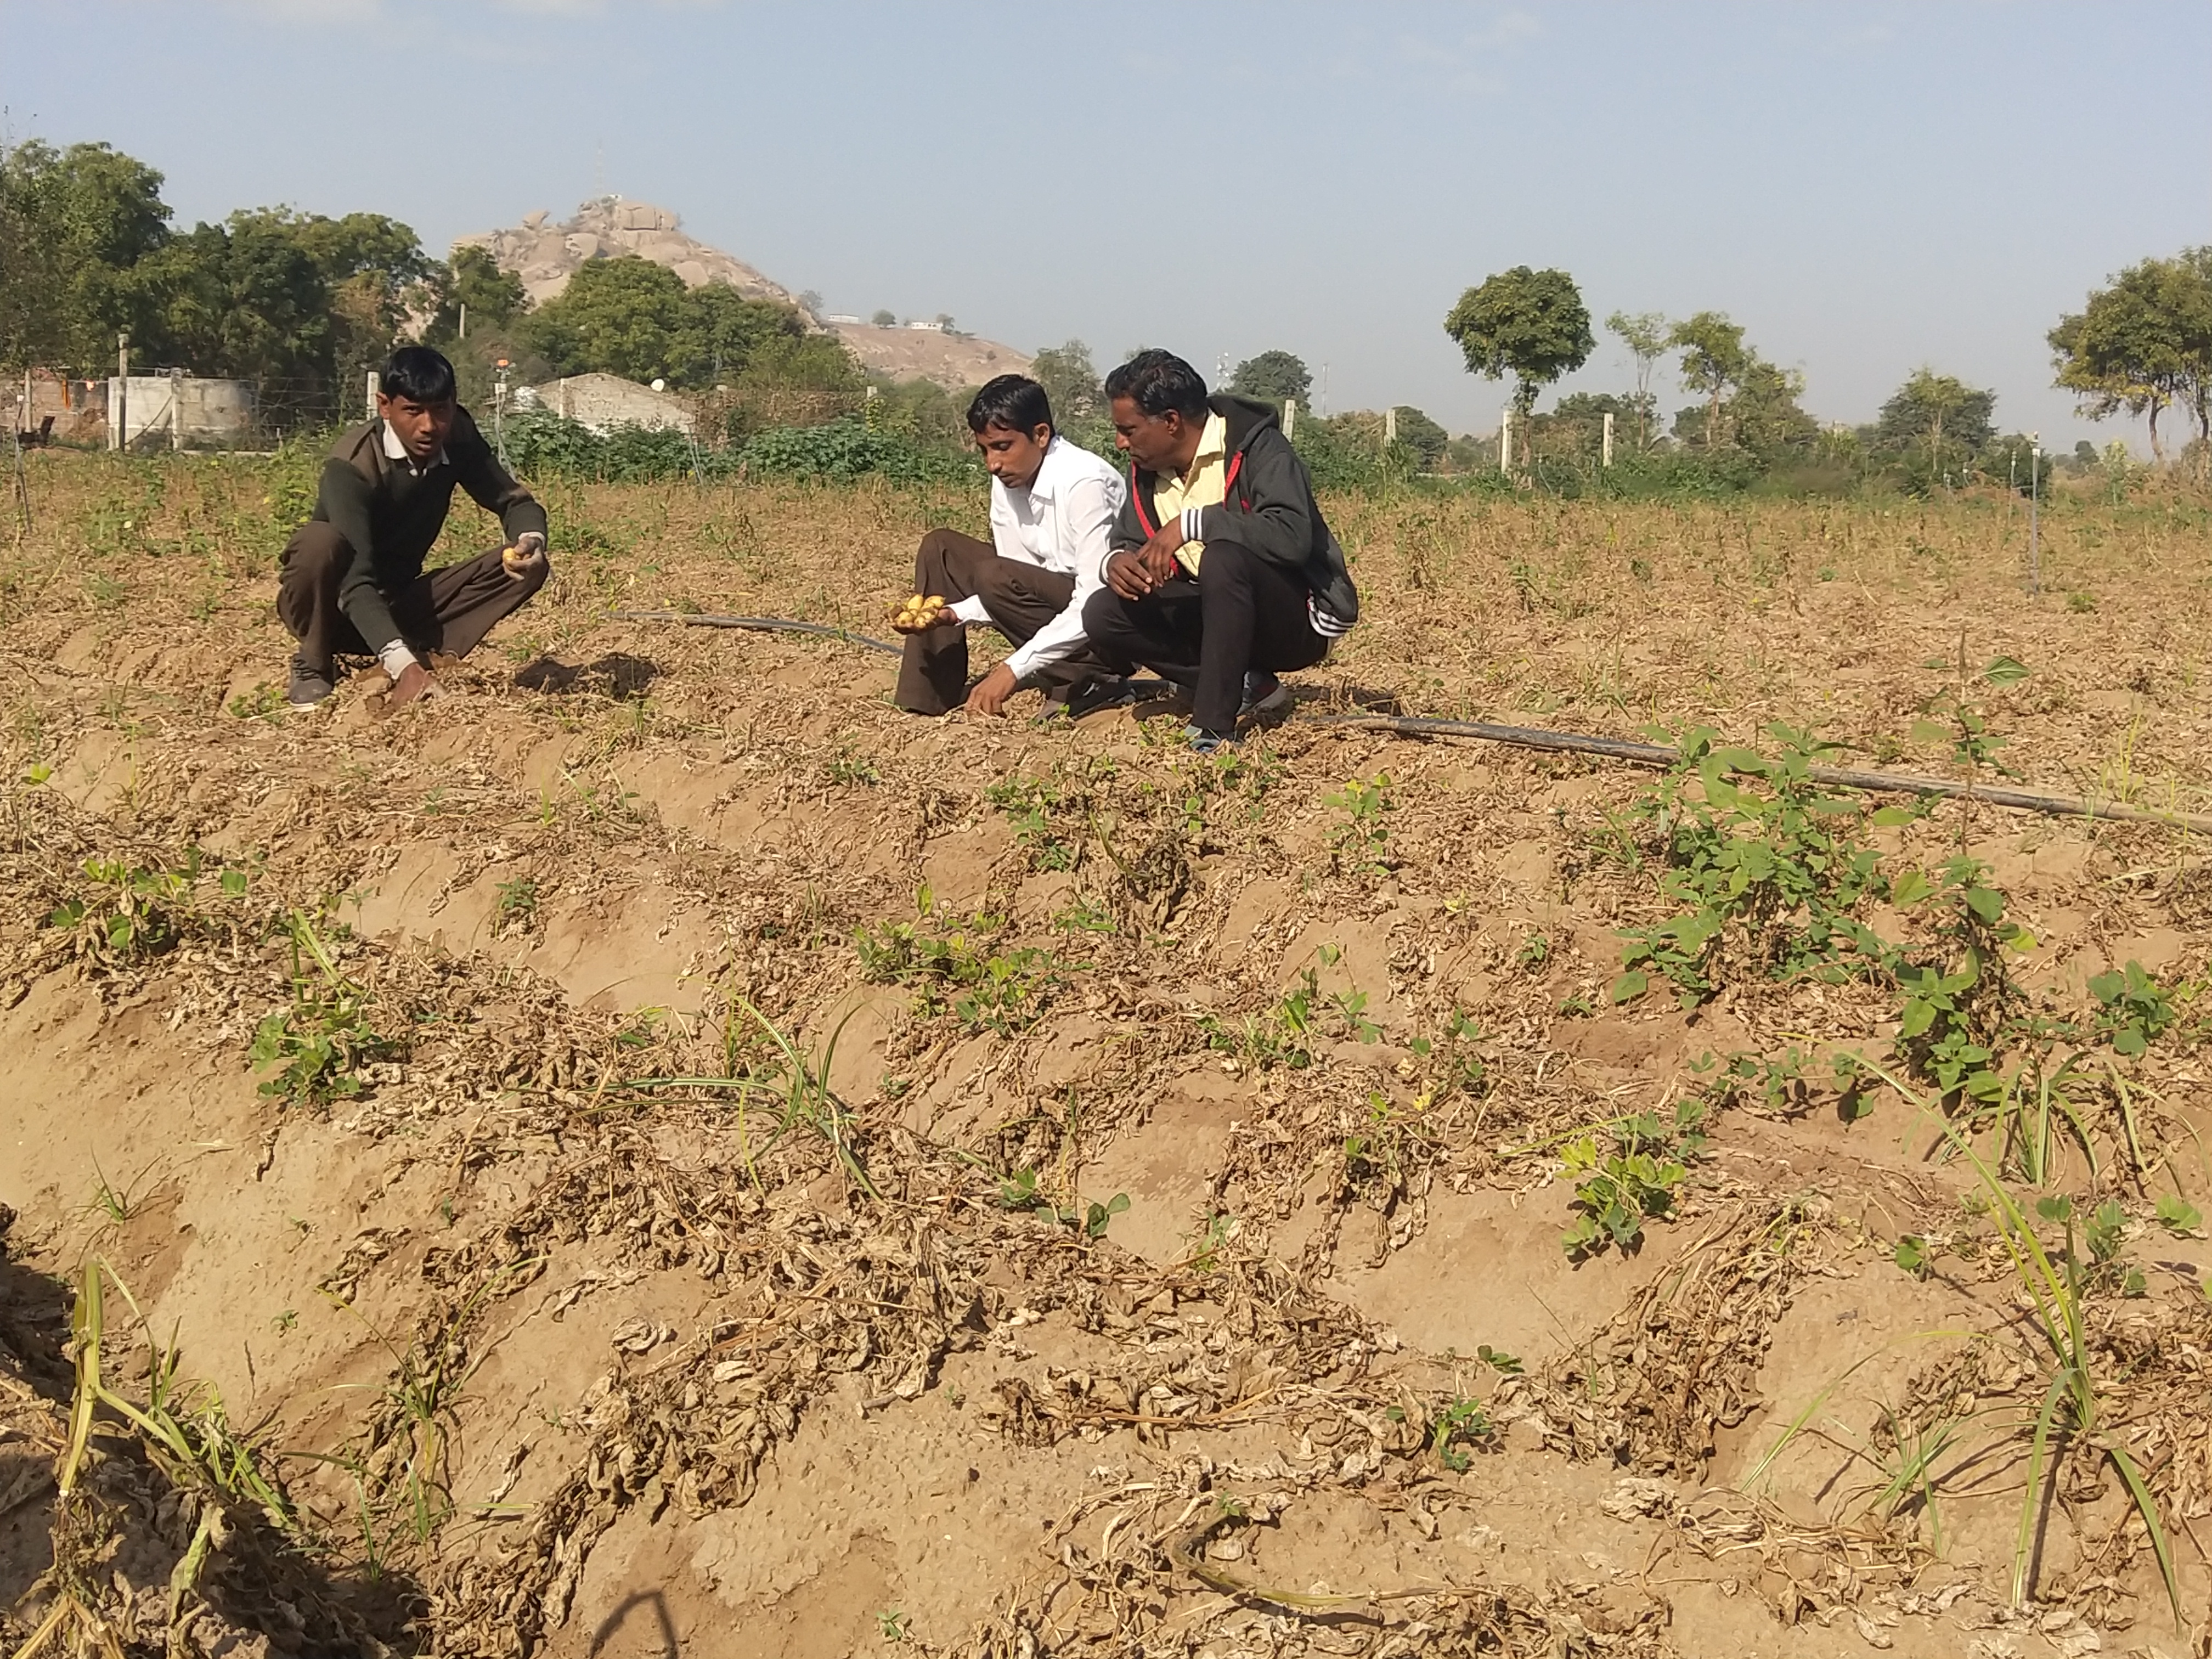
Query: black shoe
point(309, 685)
point(1093, 695)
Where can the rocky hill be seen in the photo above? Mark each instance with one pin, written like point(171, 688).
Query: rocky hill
point(545, 254)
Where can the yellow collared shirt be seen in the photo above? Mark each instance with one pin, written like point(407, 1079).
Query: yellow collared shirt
point(1205, 484)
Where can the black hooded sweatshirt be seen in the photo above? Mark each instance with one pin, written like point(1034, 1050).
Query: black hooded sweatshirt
point(1269, 510)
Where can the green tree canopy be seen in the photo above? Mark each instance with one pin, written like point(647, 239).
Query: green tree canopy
point(1930, 412)
point(1714, 359)
point(2143, 343)
point(1273, 377)
point(1647, 334)
point(472, 278)
point(616, 317)
point(1423, 436)
point(1531, 324)
point(243, 298)
point(73, 226)
point(1070, 380)
point(635, 319)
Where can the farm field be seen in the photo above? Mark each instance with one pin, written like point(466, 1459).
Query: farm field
point(658, 1152)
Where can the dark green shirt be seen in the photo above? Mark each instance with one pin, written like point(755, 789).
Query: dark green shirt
point(390, 514)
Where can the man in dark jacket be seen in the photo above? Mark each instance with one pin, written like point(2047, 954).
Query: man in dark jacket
point(1223, 573)
point(351, 579)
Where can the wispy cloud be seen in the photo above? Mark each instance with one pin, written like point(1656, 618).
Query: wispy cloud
point(1466, 61)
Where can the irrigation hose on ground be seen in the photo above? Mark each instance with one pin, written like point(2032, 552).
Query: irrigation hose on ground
point(1572, 742)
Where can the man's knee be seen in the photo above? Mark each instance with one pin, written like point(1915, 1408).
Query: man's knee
point(315, 548)
point(938, 548)
point(1226, 566)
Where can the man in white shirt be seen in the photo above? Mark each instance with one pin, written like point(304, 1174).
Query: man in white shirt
point(1053, 507)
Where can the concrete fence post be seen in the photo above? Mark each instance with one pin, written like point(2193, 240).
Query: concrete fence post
point(1390, 424)
point(1290, 416)
point(1609, 437)
point(117, 411)
point(1505, 440)
point(373, 385)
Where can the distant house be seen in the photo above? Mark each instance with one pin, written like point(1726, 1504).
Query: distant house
point(602, 402)
point(840, 317)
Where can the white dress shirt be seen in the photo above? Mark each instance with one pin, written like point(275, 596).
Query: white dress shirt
point(1060, 522)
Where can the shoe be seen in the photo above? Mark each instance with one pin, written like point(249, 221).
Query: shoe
point(1203, 741)
point(1264, 695)
point(1105, 692)
point(307, 687)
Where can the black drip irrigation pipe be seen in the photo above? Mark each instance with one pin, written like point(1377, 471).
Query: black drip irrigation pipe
point(1570, 743)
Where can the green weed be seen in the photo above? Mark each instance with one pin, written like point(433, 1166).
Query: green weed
point(315, 1048)
point(1358, 844)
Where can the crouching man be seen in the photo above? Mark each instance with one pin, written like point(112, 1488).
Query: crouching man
point(352, 582)
point(1223, 573)
point(1052, 506)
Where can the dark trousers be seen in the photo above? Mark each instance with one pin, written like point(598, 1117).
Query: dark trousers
point(1021, 598)
point(1240, 613)
point(450, 609)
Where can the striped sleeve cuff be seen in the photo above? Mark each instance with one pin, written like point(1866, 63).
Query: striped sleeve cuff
point(1190, 523)
point(1325, 622)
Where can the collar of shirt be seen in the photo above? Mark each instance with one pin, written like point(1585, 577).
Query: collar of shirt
point(395, 451)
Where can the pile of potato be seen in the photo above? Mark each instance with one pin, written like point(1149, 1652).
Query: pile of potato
point(919, 612)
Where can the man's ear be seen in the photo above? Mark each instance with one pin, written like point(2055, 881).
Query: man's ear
point(1041, 433)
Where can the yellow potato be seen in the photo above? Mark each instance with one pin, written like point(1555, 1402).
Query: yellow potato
point(935, 602)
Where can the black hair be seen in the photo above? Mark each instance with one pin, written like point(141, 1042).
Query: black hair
point(1157, 381)
point(418, 375)
point(1012, 401)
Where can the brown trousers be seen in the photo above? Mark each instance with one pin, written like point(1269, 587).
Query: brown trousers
point(1021, 598)
point(450, 609)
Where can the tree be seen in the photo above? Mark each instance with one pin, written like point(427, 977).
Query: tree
point(1422, 435)
point(1647, 334)
point(616, 317)
point(1273, 377)
point(75, 224)
point(472, 279)
point(1938, 418)
point(885, 319)
point(1531, 323)
point(244, 299)
point(811, 302)
point(2142, 342)
point(1764, 415)
point(1576, 424)
point(1070, 380)
point(718, 332)
point(1714, 359)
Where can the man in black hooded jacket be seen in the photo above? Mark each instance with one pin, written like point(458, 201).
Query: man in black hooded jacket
point(1223, 573)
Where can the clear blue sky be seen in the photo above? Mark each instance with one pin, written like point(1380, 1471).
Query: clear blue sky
point(1867, 185)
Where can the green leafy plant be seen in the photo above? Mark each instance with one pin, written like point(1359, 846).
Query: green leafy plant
point(1759, 859)
point(514, 903)
point(314, 1050)
point(1358, 843)
point(1639, 1179)
point(2133, 1010)
point(1462, 1422)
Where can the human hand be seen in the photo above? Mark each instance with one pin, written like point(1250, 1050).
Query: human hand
point(528, 554)
point(415, 683)
point(1133, 574)
point(991, 692)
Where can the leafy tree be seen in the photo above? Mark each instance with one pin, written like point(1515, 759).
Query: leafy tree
point(885, 319)
point(472, 278)
point(1273, 377)
point(1576, 425)
point(719, 331)
point(811, 302)
point(2142, 342)
point(1647, 334)
point(616, 317)
point(1764, 415)
point(1070, 380)
point(1422, 435)
point(1937, 419)
point(804, 363)
point(75, 224)
point(244, 298)
point(1714, 361)
point(1530, 323)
